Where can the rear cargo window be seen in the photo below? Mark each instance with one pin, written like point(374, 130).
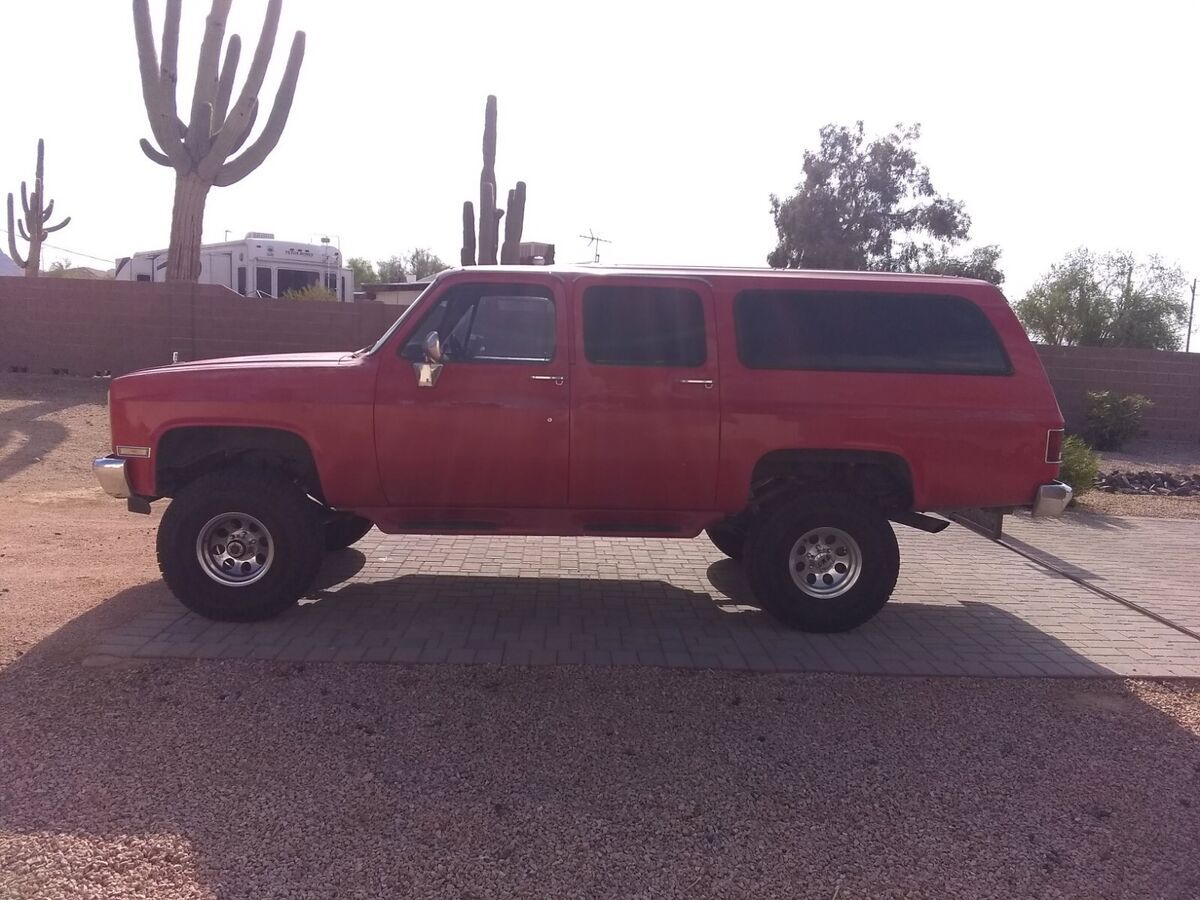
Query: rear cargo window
point(866, 332)
point(643, 326)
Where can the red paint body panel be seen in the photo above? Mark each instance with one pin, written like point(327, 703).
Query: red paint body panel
point(612, 450)
point(640, 437)
point(489, 434)
point(325, 399)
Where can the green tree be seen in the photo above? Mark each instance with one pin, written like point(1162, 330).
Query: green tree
point(981, 263)
point(417, 265)
point(364, 272)
point(423, 263)
point(1107, 300)
point(392, 270)
point(871, 205)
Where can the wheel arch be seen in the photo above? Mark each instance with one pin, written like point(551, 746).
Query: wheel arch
point(183, 453)
point(884, 477)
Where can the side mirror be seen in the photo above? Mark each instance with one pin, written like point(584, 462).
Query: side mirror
point(430, 370)
point(433, 347)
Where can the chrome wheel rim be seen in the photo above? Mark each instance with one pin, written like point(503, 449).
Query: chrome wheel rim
point(235, 549)
point(825, 562)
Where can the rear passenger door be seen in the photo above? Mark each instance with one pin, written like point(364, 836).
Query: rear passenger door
point(645, 420)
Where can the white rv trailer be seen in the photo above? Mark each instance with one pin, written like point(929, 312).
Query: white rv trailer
point(258, 266)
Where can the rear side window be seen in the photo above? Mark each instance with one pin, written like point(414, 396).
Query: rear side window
point(866, 332)
point(643, 326)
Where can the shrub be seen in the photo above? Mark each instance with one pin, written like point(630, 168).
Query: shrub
point(309, 292)
point(1113, 419)
point(1080, 466)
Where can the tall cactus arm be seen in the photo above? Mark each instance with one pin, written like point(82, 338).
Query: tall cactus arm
point(488, 175)
point(158, 89)
point(237, 169)
point(233, 53)
point(514, 224)
point(12, 236)
point(59, 227)
point(48, 211)
point(249, 128)
point(468, 248)
point(40, 171)
point(21, 230)
point(25, 199)
point(208, 80)
point(234, 127)
point(168, 72)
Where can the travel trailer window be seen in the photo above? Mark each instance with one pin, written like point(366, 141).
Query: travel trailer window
point(295, 280)
point(242, 280)
point(262, 280)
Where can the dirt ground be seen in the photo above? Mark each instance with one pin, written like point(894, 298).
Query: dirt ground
point(218, 779)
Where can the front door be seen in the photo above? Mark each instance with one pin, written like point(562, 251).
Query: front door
point(645, 419)
point(493, 429)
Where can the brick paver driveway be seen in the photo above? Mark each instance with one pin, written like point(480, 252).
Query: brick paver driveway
point(964, 605)
point(1154, 563)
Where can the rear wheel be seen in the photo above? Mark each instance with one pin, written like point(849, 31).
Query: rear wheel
point(823, 562)
point(240, 545)
point(343, 529)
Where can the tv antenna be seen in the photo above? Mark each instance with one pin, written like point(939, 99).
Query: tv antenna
point(594, 240)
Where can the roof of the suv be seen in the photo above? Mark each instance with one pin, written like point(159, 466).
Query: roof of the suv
point(727, 271)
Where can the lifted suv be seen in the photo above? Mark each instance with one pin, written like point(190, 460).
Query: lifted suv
point(789, 414)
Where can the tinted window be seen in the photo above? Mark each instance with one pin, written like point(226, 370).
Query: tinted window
point(866, 332)
point(490, 323)
point(242, 280)
point(643, 326)
point(262, 280)
point(296, 280)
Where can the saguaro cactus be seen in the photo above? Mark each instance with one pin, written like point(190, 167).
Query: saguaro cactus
point(32, 226)
point(489, 214)
point(200, 150)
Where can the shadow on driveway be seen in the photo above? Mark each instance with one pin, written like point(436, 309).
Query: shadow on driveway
point(601, 621)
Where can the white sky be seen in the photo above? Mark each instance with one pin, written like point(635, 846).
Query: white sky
point(662, 126)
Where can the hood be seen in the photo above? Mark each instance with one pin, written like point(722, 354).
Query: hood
point(274, 360)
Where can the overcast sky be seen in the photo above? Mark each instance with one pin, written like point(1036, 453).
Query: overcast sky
point(663, 127)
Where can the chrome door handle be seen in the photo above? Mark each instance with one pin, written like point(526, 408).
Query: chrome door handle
point(707, 382)
point(557, 379)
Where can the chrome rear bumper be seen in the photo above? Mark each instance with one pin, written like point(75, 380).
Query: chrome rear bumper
point(1052, 499)
point(110, 472)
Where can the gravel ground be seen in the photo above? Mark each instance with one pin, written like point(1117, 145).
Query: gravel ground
point(238, 780)
point(221, 779)
point(1144, 455)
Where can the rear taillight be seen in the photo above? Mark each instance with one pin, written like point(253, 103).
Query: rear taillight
point(1054, 444)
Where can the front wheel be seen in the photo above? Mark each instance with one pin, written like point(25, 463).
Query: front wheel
point(343, 529)
point(240, 545)
point(823, 562)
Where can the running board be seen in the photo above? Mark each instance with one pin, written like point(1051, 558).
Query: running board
point(920, 521)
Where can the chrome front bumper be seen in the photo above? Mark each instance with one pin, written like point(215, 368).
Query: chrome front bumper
point(1052, 499)
point(110, 472)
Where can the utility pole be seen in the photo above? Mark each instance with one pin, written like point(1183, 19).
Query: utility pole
point(1191, 312)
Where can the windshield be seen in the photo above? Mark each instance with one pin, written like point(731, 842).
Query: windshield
point(374, 348)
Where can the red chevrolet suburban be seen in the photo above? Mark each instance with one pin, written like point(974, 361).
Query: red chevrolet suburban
point(792, 415)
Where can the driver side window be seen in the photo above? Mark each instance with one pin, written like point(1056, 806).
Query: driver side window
point(490, 323)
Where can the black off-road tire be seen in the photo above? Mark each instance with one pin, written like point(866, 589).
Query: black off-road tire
point(729, 539)
point(768, 561)
point(341, 530)
point(291, 519)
